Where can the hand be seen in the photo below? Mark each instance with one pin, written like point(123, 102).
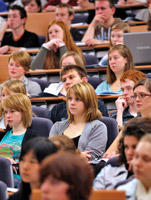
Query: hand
point(64, 1)
point(4, 49)
point(49, 9)
point(55, 44)
point(85, 155)
point(121, 2)
point(132, 1)
point(92, 42)
point(84, 3)
point(13, 162)
point(120, 104)
point(98, 18)
point(109, 155)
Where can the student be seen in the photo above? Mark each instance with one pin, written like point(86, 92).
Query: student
point(70, 75)
point(65, 13)
point(121, 168)
point(120, 60)
point(18, 63)
point(116, 37)
point(72, 175)
point(19, 37)
point(99, 28)
point(142, 97)
point(140, 186)
point(32, 6)
point(9, 87)
point(125, 104)
point(59, 41)
point(83, 125)
point(18, 113)
point(32, 154)
point(69, 58)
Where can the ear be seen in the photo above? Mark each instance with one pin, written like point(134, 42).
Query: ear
point(113, 10)
point(24, 20)
point(71, 17)
point(84, 79)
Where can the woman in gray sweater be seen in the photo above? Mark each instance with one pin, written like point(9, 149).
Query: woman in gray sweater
point(83, 125)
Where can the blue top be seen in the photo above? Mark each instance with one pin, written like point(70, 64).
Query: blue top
point(10, 145)
point(105, 89)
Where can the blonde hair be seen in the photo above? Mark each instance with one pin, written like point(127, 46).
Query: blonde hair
point(124, 51)
point(51, 59)
point(86, 93)
point(15, 86)
point(22, 58)
point(76, 56)
point(120, 26)
point(20, 103)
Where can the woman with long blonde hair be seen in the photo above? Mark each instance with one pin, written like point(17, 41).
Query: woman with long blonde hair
point(58, 42)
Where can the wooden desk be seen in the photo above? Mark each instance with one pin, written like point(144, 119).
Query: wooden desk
point(134, 5)
point(140, 28)
point(38, 22)
point(4, 68)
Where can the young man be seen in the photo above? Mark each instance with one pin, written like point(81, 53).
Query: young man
point(65, 13)
point(126, 108)
point(19, 37)
point(71, 75)
point(99, 28)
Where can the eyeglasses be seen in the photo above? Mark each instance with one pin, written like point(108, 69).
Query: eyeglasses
point(140, 96)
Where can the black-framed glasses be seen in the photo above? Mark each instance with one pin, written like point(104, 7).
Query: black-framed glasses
point(140, 96)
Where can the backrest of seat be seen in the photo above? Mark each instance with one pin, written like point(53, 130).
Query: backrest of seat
point(94, 81)
point(112, 129)
point(4, 67)
point(3, 191)
point(40, 111)
point(80, 18)
point(42, 126)
point(90, 59)
point(43, 84)
point(113, 161)
point(6, 173)
point(107, 195)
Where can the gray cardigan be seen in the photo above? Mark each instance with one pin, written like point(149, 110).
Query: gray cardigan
point(32, 87)
point(93, 137)
point(38, 62)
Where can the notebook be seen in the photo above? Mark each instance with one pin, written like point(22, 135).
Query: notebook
point(139, 44)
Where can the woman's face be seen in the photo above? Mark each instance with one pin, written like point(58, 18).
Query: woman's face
point(117, 62)
point(130, 143)
point(143, 103)
point(15, 70)
point(69, 60)
point(142, 162)
point(117, 37)
point(4, 94)
point(32, 7)
point(54, 189)
point(29, 169)
point(13, 117)
point(75, 105)
point(55, 31)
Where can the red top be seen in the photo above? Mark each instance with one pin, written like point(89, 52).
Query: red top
point(56, 2)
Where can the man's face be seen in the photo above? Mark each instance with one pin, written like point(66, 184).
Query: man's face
point(127, 89)
point(14, 19)
point(70, 78)
point(62, 14)
point(103, 9)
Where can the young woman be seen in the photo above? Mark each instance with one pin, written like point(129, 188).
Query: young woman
point(120, 60)
point(18, 114)
point(65, 176)
point(120, 168)
point(59, 41)
point(116, 37)
point(18, 63)
point(7, 88)
point(32, 6)
point(69, 58)
point(32, 154)
point(142, 97)
point(83, 125)
point(140, 187)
